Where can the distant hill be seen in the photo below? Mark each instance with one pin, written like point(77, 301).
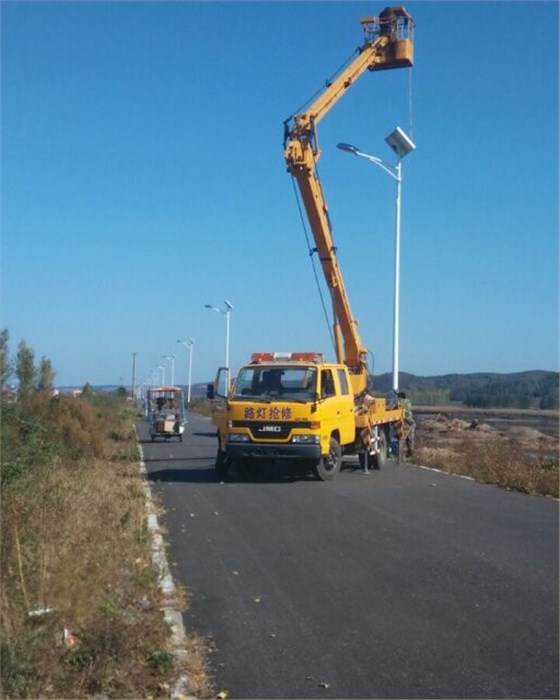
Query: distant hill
point(532, 389)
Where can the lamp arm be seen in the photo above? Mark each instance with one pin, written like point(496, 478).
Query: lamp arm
point(393, 172)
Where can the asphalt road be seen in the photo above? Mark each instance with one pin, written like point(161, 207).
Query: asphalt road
point(406, 583)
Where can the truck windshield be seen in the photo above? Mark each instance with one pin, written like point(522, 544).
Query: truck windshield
point(272, 382)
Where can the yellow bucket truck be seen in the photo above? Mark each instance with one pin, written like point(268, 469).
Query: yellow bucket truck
point(296, 406)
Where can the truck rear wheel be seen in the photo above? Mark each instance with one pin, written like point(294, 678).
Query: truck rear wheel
point(379, 460)
point(329, 465)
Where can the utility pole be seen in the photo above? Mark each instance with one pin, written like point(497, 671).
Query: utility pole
point(133, 392)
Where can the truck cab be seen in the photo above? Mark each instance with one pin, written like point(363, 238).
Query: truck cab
point(284, 406)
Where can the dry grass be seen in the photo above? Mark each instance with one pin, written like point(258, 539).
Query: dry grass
point(75, 541)
point(519, 466)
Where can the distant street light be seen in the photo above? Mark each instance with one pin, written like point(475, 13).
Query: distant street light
point(226, 313)
point(190, 347)
point(172, 358)
point(401, 144)
point(162, 367)
point(133, 389)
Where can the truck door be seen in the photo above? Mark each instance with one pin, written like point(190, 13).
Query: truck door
point(218, 393)
point(347, 418)
point(337, 413)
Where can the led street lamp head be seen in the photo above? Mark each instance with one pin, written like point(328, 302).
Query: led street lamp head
point(348, 147)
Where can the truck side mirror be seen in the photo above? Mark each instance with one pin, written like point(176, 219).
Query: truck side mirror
point(210, 391)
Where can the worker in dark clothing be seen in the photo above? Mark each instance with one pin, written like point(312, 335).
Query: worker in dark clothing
point(272, 380)
point(387, 25)
point(409, 422)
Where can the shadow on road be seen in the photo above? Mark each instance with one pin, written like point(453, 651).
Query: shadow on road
point(206, 475)
point(198, 475)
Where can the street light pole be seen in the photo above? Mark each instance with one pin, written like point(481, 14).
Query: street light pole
point(133, 391)
point(225, 313)
point(228, 313)
point(172, 358)
point(191, 350)
point(190, 347)
point(401, 144)
point(397, 276)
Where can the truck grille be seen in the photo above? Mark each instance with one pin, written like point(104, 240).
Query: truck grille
point(270, 430)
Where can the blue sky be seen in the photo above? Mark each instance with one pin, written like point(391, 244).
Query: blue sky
point(143, 177)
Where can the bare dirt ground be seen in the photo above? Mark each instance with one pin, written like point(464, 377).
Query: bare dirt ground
point(536, 430)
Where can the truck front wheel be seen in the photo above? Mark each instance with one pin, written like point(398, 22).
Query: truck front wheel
point(221, 466)
point(329, 465)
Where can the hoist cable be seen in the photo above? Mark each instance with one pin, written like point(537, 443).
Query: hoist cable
point(328, 81)
point(311, 251)
point(410, 125)
point(410, 130)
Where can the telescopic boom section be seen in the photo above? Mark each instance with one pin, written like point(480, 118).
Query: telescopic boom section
point(387, 44)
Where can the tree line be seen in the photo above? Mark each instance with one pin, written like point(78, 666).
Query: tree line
point(532, 389)
point(30, 378)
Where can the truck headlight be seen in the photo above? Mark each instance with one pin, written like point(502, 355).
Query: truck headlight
point(238, 437)
point(306, 439)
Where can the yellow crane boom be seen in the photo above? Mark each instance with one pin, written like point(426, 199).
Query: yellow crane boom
point(388, 43)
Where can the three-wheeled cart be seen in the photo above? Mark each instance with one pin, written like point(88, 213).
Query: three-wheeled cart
point(166, 412)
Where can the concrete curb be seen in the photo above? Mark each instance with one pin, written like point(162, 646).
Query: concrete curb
point(167, 585)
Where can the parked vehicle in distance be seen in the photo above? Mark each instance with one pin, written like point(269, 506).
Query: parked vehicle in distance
point(166, 412)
